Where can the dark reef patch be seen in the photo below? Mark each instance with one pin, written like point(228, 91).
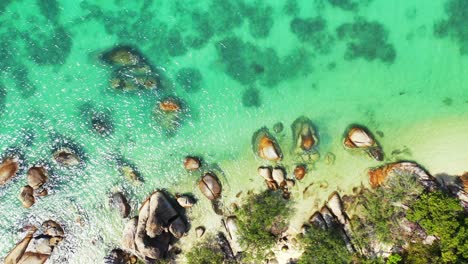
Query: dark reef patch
point(203, 30)
point(455, 25)
point(248, 63)
point(260, 19)
point(3, 5)
point(348, 5)
point(175, 43)
point(99, 121)
point(251, 98)
point(49, 9)
point(49, 49)
point(313, 31)
point(23, 83)
point(291, 8)
point(226, 15)
point(367, 40)
point(190, 79)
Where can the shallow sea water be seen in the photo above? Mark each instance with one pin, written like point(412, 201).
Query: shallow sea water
point(387, 65)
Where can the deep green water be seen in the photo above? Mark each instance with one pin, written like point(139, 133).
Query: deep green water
point(237, 65)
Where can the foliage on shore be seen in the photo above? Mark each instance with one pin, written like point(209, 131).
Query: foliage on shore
point(260, 218)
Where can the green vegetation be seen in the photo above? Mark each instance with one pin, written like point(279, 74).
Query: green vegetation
point(443, 217)
point(261, 219)
point(324, 246)
point(205, 253)
point(380, 211)
point(394, 259)
point(419, 253)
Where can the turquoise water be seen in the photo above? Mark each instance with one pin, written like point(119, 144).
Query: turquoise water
point(386, 64)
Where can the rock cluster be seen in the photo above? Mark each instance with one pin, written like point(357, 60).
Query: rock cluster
point(158, 225)
point(332, 216)
point(36, 249)
point(37, 176)
point(131, 70)
point(358, 137)
point(275, 179)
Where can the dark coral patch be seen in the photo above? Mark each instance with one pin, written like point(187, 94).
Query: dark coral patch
point(456, 25)
point(367, 40)
point(251, 98)
point(189, 79)
point(314, 31)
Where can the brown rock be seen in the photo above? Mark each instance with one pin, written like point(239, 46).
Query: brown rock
point(272, 185)
point(37, 176)
point(377, 176)
point(279, 175)
point(66, 157)
point(300, 171)
point(265, 172)
point(267, 149)
point(210, 186)
point(464, 181)
point(119, 202)
point(27, 196)
point(191, 163)
point(8, 169)
point(52, 228)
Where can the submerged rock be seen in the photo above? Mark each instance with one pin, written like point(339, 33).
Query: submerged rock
point(304, 135)
point(122, 56)
point(265, 145)
point(37, 176)
point(169, 114)
point(119, 202)
point(131, 174)
point(27, 196)
point(192, 163)
point(66, 157)
point(210, 186)
point(8, 170)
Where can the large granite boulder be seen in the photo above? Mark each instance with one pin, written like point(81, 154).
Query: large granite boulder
point(304, 135)
point(378, 176)
point(159, 223)
point(358, 137)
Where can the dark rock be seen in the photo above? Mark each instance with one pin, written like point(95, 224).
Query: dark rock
point(119, 202)
point(210, 186)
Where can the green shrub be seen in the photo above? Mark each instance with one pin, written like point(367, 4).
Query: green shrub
point(394, 259)
point(444, 217)
point(258, 218)
point(324, 247)
point(381, 210)
point(419, 253)
point(204, 253)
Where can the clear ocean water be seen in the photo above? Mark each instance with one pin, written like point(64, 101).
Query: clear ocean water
point(398, 67)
